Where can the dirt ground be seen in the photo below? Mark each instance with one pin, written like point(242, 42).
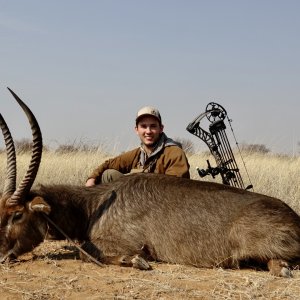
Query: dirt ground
point(54, 271)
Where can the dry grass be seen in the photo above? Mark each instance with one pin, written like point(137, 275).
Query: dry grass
point(53, 271)
point(273, 175)
point(41, 275)
point(270, 174)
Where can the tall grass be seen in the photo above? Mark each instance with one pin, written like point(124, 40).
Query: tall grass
point(270, 174)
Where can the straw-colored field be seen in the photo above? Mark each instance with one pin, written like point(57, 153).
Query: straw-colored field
point(53, 270)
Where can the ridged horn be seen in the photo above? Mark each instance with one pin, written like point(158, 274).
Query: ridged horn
point(11, 165)
point(37, 148)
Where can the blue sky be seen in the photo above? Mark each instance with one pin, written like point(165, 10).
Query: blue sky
point(86, 67)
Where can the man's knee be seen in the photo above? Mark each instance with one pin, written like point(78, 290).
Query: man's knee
point(110, 175)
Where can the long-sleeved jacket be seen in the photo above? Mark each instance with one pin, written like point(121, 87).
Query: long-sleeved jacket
point(168, 158)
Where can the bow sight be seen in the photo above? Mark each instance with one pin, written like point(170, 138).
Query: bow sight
point(219, 146)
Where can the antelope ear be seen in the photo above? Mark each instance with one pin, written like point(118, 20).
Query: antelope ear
point(38, 204)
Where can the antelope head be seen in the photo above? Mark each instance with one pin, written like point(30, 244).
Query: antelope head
point(18, 205)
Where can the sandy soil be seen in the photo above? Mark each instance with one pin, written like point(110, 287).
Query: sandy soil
point(54, 271)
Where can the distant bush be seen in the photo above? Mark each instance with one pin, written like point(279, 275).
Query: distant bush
point(255, 148)
point(67, 149)
point(25, 146)
point(75, 146)
point(187, 145)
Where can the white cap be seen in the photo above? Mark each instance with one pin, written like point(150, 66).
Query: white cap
point(148, 111)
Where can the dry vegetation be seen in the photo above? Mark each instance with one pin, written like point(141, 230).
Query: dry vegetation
point(53, 271)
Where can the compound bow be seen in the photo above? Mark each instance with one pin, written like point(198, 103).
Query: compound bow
point(219, 146)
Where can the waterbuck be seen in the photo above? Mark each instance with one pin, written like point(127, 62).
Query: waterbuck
point(144, 217)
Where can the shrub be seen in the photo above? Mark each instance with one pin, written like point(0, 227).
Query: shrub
point(187, 145)
point(255, 148)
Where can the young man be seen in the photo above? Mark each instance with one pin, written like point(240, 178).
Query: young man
point(157, 153)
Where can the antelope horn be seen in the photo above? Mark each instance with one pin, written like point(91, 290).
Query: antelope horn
point(37, 148)
point(11, 173)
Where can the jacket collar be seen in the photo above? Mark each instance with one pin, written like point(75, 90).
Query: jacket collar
point(163, 142)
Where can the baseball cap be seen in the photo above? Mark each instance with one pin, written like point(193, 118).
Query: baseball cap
point(148, 111)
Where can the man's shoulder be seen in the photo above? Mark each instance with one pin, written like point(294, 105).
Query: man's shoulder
point(170, 142)
point(174, 148)
point(132, 152)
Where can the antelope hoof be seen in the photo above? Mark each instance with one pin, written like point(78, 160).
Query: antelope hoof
point(140, 263)
point(280, 268)
point(286, 272)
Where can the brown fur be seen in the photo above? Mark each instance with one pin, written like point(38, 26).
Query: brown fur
point(159, 217)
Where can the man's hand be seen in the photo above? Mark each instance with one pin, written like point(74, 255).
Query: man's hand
point(90, 182)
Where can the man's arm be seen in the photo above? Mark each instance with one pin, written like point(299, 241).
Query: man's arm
point(122, 163)
point(178, 163)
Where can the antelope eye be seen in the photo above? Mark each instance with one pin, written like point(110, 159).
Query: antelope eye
point(17, 216)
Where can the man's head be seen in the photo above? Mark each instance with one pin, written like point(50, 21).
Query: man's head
point(148, 111)
point(148, 126)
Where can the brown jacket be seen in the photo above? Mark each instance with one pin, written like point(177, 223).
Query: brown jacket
point(170, 160)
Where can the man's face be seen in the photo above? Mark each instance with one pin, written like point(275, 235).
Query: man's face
point(149, 130)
